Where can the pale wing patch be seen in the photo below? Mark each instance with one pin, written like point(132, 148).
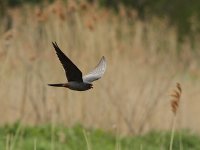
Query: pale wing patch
point(97, 73)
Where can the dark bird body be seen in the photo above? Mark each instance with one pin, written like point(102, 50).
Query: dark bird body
point(74, 76)
point(73, 85)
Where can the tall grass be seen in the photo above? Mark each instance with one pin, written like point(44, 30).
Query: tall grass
point(144, 59)
point(175, 102)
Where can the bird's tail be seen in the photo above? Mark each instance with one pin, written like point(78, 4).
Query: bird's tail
point(58, 85)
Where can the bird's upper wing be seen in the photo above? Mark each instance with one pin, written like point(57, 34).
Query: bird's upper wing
point(97, 73)
point(71, 70)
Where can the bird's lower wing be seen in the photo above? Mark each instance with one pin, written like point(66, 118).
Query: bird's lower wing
point(97, 73)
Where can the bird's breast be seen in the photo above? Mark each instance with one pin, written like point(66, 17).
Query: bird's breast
point(79, 86)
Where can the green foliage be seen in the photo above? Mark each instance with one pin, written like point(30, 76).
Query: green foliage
point(12, 3)
point(58, 137)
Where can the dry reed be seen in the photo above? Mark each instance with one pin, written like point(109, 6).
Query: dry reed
point(142, 65)
point(176, 97)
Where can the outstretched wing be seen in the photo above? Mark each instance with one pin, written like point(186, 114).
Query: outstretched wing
point(97, 73)
point(71, 70)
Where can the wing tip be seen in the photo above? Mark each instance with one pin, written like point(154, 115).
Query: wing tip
point(103, 58)
point(55, 44)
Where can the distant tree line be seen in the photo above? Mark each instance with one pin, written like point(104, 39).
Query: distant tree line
point(185, 14)
point(179, 12)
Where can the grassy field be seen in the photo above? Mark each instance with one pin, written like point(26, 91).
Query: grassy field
point(144, 63)
point(48, 137)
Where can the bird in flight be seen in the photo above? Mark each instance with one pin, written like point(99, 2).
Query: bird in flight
point(74, 76)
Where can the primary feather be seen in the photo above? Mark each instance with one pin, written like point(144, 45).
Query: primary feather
point(71, 70)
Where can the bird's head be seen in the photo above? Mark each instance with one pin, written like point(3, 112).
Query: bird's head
point(91, 86)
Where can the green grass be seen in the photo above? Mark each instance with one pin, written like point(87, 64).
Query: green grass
point(48, 137)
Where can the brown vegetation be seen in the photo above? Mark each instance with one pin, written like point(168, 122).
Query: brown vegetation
point(175, 102)
point(144, 60)
point(176, 96)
